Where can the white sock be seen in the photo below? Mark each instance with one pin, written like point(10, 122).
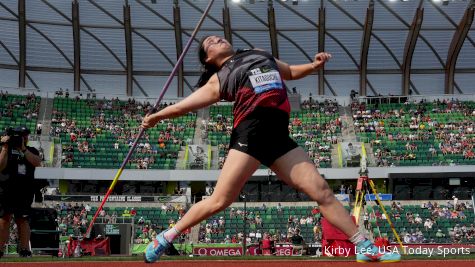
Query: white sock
point(171, 234)
point(357, 238)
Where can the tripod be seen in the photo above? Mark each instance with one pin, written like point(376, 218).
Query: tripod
point(364, 185)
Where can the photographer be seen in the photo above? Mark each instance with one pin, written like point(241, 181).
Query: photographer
point(17, 167)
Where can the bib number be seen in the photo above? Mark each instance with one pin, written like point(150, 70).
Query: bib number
point(263, 82)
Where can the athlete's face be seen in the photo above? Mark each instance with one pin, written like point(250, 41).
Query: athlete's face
point(216, 48)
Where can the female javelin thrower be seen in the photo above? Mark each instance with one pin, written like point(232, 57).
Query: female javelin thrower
point(253, 79)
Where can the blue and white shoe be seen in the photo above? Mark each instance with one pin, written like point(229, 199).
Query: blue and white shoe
point(366, 251)
point(156, 248)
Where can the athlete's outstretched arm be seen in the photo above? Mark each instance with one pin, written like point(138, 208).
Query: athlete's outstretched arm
point(295, 72)
point(203, 97)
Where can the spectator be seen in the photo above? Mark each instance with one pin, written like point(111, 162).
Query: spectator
point(39, 128)
point(126, 213)
point(455, 200)
point(266, 244)
point(133, 212)
point(439, 233)
point(279, 208)
point(418, 219)
point(297, 243)
point(428, 224)
point(366, 221)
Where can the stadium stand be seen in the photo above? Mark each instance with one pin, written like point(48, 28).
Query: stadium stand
point(73, 219)
point(279, 221)
point(219, 129)
point(16, 110)
point(423, 133)
point(98, 134)
point(426, 223)
point(316, 128)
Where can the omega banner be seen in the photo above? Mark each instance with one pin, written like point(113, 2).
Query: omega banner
point(280, 250)
point(224, 251)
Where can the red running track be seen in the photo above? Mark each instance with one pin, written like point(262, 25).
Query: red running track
point(229, 263)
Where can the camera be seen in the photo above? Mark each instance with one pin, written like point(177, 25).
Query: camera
point(16, 136)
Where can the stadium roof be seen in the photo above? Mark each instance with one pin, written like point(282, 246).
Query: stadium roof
point(379, 47)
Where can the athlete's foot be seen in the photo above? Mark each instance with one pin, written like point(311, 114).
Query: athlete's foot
point(156, 248)
point(366, 251)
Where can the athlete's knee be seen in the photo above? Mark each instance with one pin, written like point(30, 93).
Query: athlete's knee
point(219, 203)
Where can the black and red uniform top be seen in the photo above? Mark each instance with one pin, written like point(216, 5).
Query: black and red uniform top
point(251, 78)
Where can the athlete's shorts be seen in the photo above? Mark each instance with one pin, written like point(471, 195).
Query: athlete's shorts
point(264, 135)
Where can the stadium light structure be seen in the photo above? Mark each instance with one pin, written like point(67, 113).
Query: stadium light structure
point(236, 1)
point(445, 2)
point(295, 2)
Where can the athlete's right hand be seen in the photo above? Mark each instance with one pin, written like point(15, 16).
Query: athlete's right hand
point(149, 121)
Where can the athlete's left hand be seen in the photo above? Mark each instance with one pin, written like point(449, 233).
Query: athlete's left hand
point(321, 58)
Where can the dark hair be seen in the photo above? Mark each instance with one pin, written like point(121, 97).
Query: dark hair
point(207, 69)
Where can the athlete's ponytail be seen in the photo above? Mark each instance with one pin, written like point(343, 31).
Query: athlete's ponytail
point(207, 69)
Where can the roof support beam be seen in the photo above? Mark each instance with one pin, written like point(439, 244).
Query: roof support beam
point(368, 28)
point(22, 43)
point(179, 47)
point(128, 51)
point(455, 47)
point(411, 42)
point(76, 45)
point(227, 23)
point(272, 29)
point(321, 47)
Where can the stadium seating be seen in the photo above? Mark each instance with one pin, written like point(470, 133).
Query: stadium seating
point(219, 129)
point(405, 227)
point(16, 110)
point(437, 137)
point(315, 128)
point(153, 218)
point(103, 134)
point(274, 222)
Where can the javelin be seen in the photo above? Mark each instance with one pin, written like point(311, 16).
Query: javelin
point(155, 107)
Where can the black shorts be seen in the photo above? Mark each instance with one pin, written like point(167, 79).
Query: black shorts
point(18, 204)
point(264, 135)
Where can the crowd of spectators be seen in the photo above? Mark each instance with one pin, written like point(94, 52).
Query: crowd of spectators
point(220, 124)
point(28, 104)
point(418, 226)
point(74, 218)
point(317, 138)
point(120, 125)
point(258, 230)
point(424, 123)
